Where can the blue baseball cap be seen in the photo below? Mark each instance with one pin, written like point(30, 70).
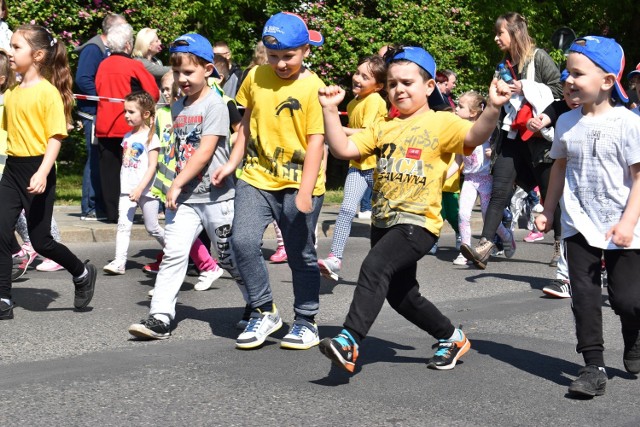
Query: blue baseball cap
point(417, 55)
point(290, 31)
point(564, 75)
point(634, 72)
point(607, 54)
point(196, 45)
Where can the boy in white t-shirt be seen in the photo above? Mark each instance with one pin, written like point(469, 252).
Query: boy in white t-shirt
point(597, 173)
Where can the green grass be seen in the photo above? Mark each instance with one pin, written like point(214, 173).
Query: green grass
point(69, 190)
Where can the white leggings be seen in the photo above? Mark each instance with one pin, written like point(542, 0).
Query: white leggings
point(126, 211)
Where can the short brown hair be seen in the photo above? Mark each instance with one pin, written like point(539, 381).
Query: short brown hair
point(176, 59)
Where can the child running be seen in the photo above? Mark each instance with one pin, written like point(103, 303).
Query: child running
point(406, 203)
point(477, 173)
point(282, 136)
point(140, 149)
point(29, 179)
point(201, 131)
point(597, 174)
point(365, 109)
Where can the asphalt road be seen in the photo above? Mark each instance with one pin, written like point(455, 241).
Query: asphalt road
point(61, 367)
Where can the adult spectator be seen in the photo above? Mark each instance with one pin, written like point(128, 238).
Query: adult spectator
point(446, 81)
point(117, 76)
point(232, 85)
point(91, 55)
point(146, 48)
point(521, 158)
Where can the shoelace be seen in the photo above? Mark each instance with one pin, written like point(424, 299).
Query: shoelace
point(254, 324)
point(298, 330)
point(443, 348)
point(343, 340)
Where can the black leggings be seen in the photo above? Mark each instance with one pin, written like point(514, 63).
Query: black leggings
point(38, 210)
point(110, 155)
point(389, 272)
point(513, 165)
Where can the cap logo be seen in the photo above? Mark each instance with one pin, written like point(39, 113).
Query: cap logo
point(273, 29)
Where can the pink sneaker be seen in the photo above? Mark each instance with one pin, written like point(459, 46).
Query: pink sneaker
point(534, 236)
point(279, 256)
point(49, 265)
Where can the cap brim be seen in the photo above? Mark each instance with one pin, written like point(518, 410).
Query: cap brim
point(436, 98)
point(633, 74)
point(315, 38)
point(622, 95)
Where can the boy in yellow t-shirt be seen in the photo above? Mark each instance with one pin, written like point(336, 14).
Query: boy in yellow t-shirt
point(412, 160)
point(281, 139)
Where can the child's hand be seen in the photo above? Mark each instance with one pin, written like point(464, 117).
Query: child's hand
point(37, 184)
point(218, 176)
point(544, 221)
point(304, 203)
point(172, 197)
point(487, 152)
point(536, 123)
point(331, 96)
point(135, 194)
point(621, 234)
point(499, 93)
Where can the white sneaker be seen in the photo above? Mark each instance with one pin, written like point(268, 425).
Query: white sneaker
point(302, 336)
point(260, 326)
point(49, 265)
point(460, 260)
point(458, 241)
point(150, 293)
point(114, 267)
point(206, 278)
point(330, 267)
point(364, 215)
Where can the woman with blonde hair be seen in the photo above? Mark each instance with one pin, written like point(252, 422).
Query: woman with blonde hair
point(145, 49)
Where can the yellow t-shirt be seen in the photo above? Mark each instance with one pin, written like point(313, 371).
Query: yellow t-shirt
point(452, 185)
point(33, 115)
point(410, 170)
point(364, 113)
point(283, 114)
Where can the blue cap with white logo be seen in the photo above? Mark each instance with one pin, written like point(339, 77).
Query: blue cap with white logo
point(289, 31)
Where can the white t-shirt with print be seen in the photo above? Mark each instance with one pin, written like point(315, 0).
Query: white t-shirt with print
point(599, 151)
point(135, 160)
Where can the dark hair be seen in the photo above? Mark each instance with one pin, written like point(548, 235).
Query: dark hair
point(176, 59)
point(146, 103)
point(54, 65)
point(377, 67)
point(4, 10)
point(441, 77)
point(5, 70)
point(395, 50)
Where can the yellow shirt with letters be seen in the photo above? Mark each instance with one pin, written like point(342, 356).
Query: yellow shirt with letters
point(33, 115)
point(411, 167)
point(283, 114)
point(364, 113)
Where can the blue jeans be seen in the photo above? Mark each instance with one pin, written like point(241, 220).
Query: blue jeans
point(365, 203)
point(91, 188)
point(255, 209)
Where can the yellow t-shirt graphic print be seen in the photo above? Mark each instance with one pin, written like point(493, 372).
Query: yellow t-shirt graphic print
point(283, 114)
point(412, 164)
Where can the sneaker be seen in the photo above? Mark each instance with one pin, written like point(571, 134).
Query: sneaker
point(150, 328)
point(510, 245)
point(260, 326)
point(449, 352)
point(559, 288)
point(154, 267)
point(26, 248)
point(460, 260)
point(330, 267)
point(91, 216)
point(631, 355)
point(537, 208)
point(591, 381)
point(534, 236)
point(85, 287)
point(6, 310)
point(479, 255)
point(206, 278)
point(302, 336)
point(434, 248)
point(364, 215)
point(556, 254)
point(49, 265)
point(246, 315)
point(20, 265)
point(458, 241)
point(341, 349)
point(114, 267)
point(279, 256)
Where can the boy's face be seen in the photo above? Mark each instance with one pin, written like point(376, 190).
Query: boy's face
point(191, 76)
point(287, 63)
point(408, 91)
point(587, 82)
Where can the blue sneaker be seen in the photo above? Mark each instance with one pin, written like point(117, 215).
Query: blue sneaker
point(341, 349)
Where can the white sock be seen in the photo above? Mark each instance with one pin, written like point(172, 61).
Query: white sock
point(457, 335)
point(83, 275)
point(163, 318)
point(8, 301)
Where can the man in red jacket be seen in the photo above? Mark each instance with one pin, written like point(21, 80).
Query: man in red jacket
point(117, 76)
